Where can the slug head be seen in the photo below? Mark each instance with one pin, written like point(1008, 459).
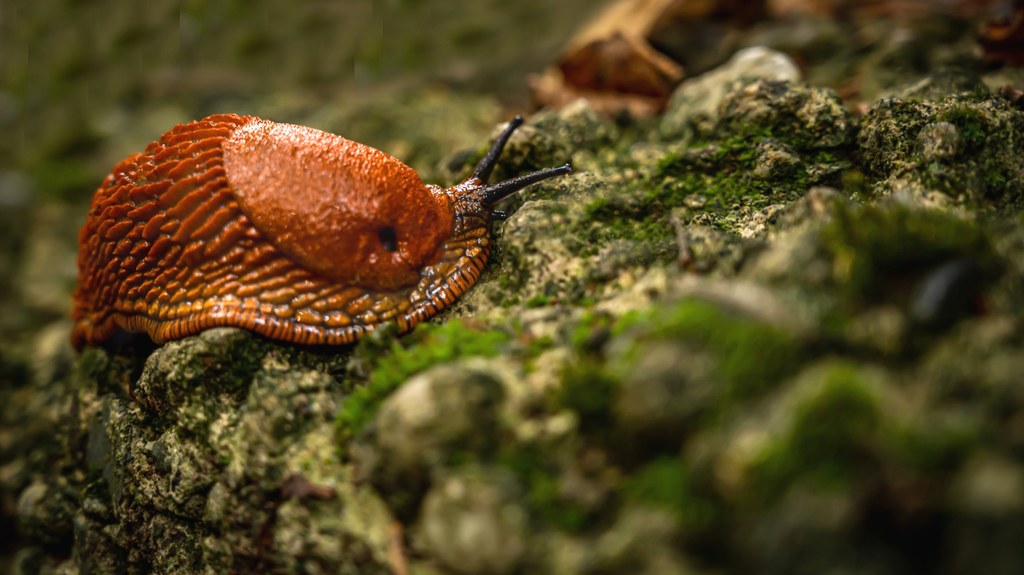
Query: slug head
point(347, 211)
point(475, 195)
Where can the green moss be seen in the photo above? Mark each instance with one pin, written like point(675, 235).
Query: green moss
point(721, 172)
point(109, 373)
point(539, 300)
point(634, 213)
point(535, 347)
point(985, 164)
point(841, 429)
point(833, 425)
point(592, 331)
point(888, 135)
point(668, 483)
point(93, 362)
point(588, 390)
point(829, 438)
point(543, 494)
point(931, 445)
point(970, 123)
point(750, 356)
point(874, 248)
point(428, 345)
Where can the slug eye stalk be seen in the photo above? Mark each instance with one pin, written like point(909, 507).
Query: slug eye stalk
point(486, 166)
point(494, 193)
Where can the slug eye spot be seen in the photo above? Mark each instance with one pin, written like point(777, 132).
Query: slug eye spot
point(388, 239)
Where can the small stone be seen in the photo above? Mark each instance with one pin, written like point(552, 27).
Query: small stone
point(214, 362)
point(473, 522)
point(46, 513)
point(700, 97)
point(577, 125)
point(642, 540)
point(807, 116)
point(446, 408)
point(665, 391)
point(535, 260)
point(695, 201)
point(946, 294)
point(990, 484)
point(939, 141)
point(774, 160)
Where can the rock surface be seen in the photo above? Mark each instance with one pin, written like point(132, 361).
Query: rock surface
point(765, 333)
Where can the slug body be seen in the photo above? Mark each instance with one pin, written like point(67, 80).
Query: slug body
point(293, 233)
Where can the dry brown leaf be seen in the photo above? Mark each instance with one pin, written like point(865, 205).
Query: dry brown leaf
point(612, 61)
point(620, 63)
point(1002, 39)
point(550, 89)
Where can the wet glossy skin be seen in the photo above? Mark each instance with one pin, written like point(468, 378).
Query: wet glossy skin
point(287, 231)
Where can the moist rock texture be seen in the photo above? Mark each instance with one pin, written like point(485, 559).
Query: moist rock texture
point(766, 332)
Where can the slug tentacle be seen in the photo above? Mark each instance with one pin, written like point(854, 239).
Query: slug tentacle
point(486, 166)
point(490, 195)
point(290, 232)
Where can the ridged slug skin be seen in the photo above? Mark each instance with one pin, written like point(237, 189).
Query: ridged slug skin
point(293, 233)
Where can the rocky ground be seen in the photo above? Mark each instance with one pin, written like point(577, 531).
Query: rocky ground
point(770, 330)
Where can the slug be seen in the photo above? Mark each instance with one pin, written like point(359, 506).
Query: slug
point(293, 233)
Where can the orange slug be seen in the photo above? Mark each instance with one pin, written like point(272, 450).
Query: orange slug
point(287, 231)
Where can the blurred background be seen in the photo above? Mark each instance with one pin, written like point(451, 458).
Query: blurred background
point(77, 75)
